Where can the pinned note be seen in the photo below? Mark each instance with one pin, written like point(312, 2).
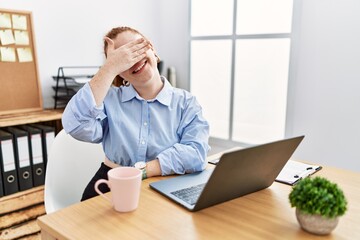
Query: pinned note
point(5, 20)
point(19, 22)
point(7, 54)
point(24, 54)
point(21, 37)
point(6, 37)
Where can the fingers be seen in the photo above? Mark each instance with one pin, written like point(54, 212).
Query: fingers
point(111, 44)
point(138, 48)
point(139, 44)
point(139, 57)
point(141, 50)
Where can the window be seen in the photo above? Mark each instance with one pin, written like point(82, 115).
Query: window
point(239, 65)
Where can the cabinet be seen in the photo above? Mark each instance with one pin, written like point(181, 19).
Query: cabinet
point(69, 80)
point(19, 211)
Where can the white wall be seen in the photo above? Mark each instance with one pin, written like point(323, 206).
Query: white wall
point(69, 33)
point(324, 88)
point(175, 38)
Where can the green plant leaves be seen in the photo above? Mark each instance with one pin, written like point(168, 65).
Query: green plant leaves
point(318, 196)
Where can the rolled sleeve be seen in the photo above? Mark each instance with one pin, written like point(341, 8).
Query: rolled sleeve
point(189, 155)
point(81, 113)
point(181, 159)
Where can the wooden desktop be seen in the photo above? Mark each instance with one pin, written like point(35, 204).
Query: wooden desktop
point(266, 214)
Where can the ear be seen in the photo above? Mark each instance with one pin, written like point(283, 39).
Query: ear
point(110, 45)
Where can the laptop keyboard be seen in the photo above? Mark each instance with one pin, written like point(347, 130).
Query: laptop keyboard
point(189, 195)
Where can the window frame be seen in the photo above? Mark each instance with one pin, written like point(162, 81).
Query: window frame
point(234, 37)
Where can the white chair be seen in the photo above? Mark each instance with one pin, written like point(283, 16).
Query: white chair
point(71, 164)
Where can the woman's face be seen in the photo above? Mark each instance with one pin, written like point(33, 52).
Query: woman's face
point(142, 71)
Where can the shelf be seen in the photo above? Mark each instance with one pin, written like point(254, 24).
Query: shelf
point(30, 117)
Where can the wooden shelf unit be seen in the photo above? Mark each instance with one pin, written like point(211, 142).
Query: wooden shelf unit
point(19, 211)
point(31, 117)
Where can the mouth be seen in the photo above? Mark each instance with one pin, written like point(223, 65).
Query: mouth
point(138, 67)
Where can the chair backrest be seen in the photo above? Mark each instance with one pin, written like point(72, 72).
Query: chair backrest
point(71, 164)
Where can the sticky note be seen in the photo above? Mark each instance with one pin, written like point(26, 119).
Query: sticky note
point(5, 20)
point(19, 22)
point(7, 54)
point(6, 37)
point(21, 37)
point(24, 54)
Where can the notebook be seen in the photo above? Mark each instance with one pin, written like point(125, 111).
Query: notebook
point(237, 173)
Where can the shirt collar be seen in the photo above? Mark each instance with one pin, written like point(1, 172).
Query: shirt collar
point(164, 96)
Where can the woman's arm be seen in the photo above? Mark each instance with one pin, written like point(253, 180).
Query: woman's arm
point(189, 154)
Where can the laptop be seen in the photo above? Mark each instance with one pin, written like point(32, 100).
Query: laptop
point(236, 174)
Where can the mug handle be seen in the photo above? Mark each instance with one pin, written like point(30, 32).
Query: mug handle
point(98, 182)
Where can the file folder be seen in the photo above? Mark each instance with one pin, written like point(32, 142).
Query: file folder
point(36, 154)
point(8, 167)
point(1, 180)
point(47, 138)
point(22, 157)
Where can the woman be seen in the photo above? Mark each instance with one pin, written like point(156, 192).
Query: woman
point(144, 123)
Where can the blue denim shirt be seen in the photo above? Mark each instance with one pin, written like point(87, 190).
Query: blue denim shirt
point(169, 127)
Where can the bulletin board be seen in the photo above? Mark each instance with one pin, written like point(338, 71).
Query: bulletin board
point(20, 89)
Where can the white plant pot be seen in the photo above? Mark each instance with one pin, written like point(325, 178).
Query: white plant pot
point(316, 224)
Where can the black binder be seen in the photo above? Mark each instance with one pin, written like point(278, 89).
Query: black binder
point(22, 157)
point(36, 154)
point(8, 166)
point(1, 178)
point(47, 138)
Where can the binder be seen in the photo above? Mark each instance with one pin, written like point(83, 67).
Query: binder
point(47, 138)
point(36, 154)
point(8, 166)
point(22, 157)
point(294, 171)
point(1, 179)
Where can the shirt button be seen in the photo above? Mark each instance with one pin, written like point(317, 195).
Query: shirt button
point(143, 142)
point(145, 123)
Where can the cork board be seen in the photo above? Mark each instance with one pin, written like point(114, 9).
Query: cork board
point(20, 89)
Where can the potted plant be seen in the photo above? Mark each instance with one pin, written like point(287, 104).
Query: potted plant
point(319, 204)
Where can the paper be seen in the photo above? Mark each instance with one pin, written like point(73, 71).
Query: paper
point(21, 37)
point(294, 171)
point(23, 150)
point(24, 54)
point(50, 136)
point(36, 149)
point(19, 22)
point(5, 20)
point(82, 80)
point(7, 54)
point(6, 37)
point(7, 151)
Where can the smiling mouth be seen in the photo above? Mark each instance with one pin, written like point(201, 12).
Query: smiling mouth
point(138, 69)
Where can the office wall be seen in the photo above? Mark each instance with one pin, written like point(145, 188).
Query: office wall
point(324, 88)
point(175, 38)
point(69, 33)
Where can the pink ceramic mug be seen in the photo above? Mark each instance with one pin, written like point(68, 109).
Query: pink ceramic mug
point(125, 184)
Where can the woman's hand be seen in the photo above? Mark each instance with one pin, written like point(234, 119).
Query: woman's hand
point(118, 60)
point(121, 59)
